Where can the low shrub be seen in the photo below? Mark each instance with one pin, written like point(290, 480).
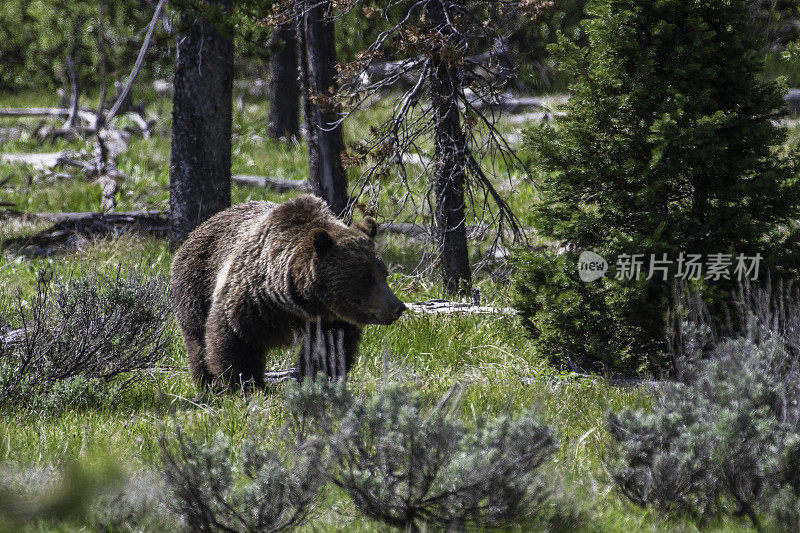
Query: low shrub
point(93, 493)
point(405, 465)
point(80, 334)
point(264, 491)
point(725, 440)
point(399, 462)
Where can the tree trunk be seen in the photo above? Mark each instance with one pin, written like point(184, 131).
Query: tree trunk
point(325, 142)
point(76, 95)
point(449, 174)
point(284, 103)
point(200, 167)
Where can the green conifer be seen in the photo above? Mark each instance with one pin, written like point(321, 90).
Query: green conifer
point(668, 147)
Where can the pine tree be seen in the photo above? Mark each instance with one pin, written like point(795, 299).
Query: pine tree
point(668, 146)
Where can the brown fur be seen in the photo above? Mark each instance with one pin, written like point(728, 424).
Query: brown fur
point(254, 276)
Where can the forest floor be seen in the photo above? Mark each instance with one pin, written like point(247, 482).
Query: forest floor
point(489, 355)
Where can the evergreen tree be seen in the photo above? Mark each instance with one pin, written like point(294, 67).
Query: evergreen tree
point(668, 147)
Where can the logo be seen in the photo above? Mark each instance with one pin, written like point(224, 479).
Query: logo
point(591, 266)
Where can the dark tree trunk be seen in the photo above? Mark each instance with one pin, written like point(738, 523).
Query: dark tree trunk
point(325, 142)
point(200, 168)
point(449, 174)
point(284, 91)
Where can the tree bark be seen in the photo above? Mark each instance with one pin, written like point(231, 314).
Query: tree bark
point(449, 174)
point(284, 89)
point(76, 94)
point(200, 166)
point(325, 141)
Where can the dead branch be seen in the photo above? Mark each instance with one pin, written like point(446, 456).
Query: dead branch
point(422, 231)
point(138, 65)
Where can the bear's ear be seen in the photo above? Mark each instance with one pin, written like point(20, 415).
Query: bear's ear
point(321, 240)
point(369, 226)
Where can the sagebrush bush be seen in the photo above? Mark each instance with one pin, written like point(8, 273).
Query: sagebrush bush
point(264, 491)
point(726, 439)
point(78, 333)
point(399, 462)
point(667, 147)
point(406, 466)
point(66, 494)
point(83, 493)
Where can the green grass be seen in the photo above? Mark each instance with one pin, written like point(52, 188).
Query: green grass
point(488, 356)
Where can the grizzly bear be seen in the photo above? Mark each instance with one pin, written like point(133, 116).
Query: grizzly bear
point(259, 275)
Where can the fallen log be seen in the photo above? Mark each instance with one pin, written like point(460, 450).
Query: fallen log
point(37, 161)
point(447, 307)
point(15, 336)
point(69, 226)
point(410, 229)
point(145, 218)
point(405, 228)
point(493, 66)
point(415, 159)
point(536, 116)
point(54, 112)
point(279, 184)
point(276, 377)
point(430, 307)
point(111, 143)
point(89, 117)
point(507, 103)
point(512, 103)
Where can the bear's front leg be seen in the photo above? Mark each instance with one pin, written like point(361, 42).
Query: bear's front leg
point(233, 361)
point(328, 347)
point(196, 352)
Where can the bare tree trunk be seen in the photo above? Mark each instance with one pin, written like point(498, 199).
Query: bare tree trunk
point(449, 174)
point(76, 94)
point(101, 50)
point(284, 90)
point(325, 142)
point(200, 166)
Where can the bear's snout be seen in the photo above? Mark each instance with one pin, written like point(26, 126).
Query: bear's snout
point(398, 309)
point(392, 307)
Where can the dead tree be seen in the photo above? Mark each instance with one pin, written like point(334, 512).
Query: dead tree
point(318, 74)
point(200, 166)
point(451, 47)
point(451, 160)
point(284, 89)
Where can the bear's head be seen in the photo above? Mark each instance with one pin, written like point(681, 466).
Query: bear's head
point(348, 278)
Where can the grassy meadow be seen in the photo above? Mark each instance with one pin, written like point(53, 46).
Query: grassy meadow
point(487, 356)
